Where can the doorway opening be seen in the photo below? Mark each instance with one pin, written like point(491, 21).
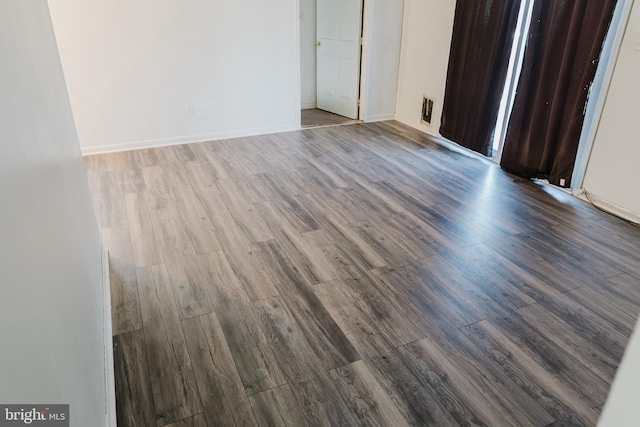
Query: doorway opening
point(330, 61)
point(596, 89)
point(315, 117)
point(513, 75)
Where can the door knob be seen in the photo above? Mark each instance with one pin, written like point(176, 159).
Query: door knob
point(318, 44)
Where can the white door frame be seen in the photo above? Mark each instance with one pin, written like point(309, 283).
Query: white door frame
point(364, 61)
point(365, 58)
point(599, 91)
point(297, 102)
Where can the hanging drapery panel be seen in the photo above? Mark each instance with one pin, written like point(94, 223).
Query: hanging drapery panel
point(483, 32)
point(561, 57)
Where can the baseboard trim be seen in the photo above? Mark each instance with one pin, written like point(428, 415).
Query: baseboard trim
point(612, 208)
point(439, 139)
point(109, 374)
point(179, 140)
point(308, 106)
point(582, 194)
point(417, 125)
point(379, 118)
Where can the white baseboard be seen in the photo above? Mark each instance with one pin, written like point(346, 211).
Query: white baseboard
point(309, 106)
point(179, 140)
point(439, 139)
point(417, 125)
point(583, 194)
point(379, 118)
point(109, 375)
point(612, 208)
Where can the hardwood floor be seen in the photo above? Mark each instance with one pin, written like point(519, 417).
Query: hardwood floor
point(314, 117)
point(357, 275)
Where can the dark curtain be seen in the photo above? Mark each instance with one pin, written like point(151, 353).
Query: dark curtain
point(562, 53)
point(483, 33)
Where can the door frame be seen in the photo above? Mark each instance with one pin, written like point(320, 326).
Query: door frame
point(597, 97)
point(365, 58)
point(599, 91)
point(364, 61)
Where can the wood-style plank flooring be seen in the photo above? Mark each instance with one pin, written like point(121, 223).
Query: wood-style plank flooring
point(357, 275)
point(314, 117)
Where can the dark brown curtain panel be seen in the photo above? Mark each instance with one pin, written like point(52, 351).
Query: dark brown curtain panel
point(563, 48)
point(483, 32)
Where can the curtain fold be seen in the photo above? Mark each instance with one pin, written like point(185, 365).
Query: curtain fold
point(563, 48)
point(483, 32)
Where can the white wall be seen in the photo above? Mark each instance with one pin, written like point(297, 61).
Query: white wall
point(622, 409)
point(426, 41)
point(146, 73)
point(308, 61)
point(612, 178)
point(149, 72)
point(613, 175)
point(51, 317)
point(381, 57)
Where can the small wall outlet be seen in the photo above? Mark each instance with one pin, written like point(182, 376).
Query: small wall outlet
point(427, 110)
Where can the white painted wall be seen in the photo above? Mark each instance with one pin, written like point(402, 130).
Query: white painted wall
point(381, 58)
point(51, 308)
point(621, 409)
point(149, 72)
point(308, 53)
point(612, 178)
point(612, 172)
point(426, 41)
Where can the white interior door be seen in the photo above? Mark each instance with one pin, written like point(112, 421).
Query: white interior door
point(339, 24)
